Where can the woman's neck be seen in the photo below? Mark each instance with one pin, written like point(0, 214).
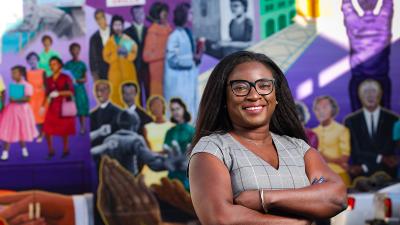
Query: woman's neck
point(240, 17)
point(56, 75)
point(326, 122)
point(257, 134)
point(159, 119)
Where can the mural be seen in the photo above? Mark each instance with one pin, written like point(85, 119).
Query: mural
point(99, 99)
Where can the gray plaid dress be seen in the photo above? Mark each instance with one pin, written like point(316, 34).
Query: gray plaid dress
point(250, 172)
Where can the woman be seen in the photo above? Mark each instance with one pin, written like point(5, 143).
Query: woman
point(78, 70)
point(180, 77)
point(155, 44)
point(154, 133)
point(334, 138)
point(37, 77)
point(119, 52)
point(179, 137)
point(17, 124)
point(47, 54)
point(250, 148)
point(59, 89)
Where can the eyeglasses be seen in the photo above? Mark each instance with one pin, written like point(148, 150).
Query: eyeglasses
point(242, 88)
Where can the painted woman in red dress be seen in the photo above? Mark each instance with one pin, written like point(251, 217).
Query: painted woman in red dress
point(58, 87)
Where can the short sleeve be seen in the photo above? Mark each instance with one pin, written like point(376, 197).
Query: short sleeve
point(303, 146)
point(210, 146)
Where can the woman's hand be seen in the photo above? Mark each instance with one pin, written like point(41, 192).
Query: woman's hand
point(250, 200)
point(42, 111)
point(122, 51)
point(54, 94)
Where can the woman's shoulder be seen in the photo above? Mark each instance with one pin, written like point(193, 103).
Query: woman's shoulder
point(160, 29)
point(340, 126)
point(218, 139)
point(288, 142)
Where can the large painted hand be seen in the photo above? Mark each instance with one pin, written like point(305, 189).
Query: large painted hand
point(123, 197)
point(173, 192)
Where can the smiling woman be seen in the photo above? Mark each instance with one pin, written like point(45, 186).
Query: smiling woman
point(252, 150)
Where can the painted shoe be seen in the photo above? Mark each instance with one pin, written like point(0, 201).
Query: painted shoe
point(25, 152)
point(4, 155)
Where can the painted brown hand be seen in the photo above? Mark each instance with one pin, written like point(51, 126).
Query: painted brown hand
point(125, 199)
point(55, 209)
point(173, 192)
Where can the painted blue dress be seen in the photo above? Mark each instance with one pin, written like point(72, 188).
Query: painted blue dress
point(180, 74)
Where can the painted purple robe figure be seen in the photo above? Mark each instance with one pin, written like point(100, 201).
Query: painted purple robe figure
point(370, 35)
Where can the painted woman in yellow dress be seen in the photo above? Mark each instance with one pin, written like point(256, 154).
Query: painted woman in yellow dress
point(119, 52)
point(155, 133)
point(334, 138)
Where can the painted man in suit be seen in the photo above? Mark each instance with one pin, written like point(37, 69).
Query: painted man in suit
point(137, 31)
point(129, 92)
point(98, 67)
point(371, 128)
point(103, 117)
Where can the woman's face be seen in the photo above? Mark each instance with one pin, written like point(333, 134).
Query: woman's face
point(33, 61)
point(163, 16)
point(190, 16)
point(253, 110)
point(55, 66)
point(323, 110)
point(237, 8)
point(16, 75)
point(118, 27)
point(177, 112)
point(157, 107)
point(47, 43)
point(75, 51)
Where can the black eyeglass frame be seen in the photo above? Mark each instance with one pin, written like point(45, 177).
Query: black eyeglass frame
point(252, 84)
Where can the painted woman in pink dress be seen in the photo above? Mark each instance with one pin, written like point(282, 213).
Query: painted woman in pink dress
point(17, 123)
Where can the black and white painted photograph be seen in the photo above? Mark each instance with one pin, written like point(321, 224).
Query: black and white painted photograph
point(63, 20)
point(227, 25)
